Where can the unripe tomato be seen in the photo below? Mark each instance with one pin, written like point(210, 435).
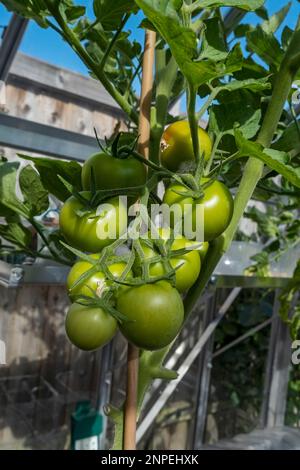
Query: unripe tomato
point(90, 231)
point(95, 281)
point(155, 313)
point(111, 172)
point(177, 147)
point(218, 206)
point(187, 274)
point(89, 328)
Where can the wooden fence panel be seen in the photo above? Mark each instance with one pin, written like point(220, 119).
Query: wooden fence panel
point(44, 375)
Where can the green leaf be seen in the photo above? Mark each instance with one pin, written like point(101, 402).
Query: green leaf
point(269, 26)
point(289, 139)
point(249, 84)
point(33, 9)
point(78, 253)
point(8, 184)
point(214, 45)
point(7, 213)
point(146, 24)
point(274, 159)
point(225, 119)
point(248, 5)
point(287, 299)
point(241, 30)
point(183, 43)
point(34, 193)
point(272, 24)
point(267, 225)
point(251, 69)
point(265, 46)
point(17, 234)
point(50, 168)
point(286, 37)
point(55, 237)
point(38, 10)
point(262, 13)
point(71, 13)
point(111, 12)
point(295, 326)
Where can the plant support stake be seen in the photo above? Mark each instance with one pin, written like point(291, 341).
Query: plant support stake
point(130, 412)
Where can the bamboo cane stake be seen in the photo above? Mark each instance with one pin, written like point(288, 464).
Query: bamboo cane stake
point(130, 412)
point(146, 93)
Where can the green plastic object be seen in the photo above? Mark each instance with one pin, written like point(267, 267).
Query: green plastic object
point(86, 427)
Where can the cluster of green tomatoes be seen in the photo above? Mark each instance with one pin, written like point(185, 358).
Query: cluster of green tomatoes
point(137, 290)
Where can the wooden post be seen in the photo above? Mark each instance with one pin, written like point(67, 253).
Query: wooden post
point(130, 412)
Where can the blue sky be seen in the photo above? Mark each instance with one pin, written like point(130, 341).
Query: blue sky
point(46, 45)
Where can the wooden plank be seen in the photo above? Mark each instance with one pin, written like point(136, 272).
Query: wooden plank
point(42, 108)
point(29, 71)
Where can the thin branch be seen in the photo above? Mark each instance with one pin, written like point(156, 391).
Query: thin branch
point(136, 72)
point(208, 102)
point(113, 41)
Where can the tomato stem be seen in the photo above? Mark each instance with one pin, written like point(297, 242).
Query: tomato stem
point(208, 102)
point(54, 255)
point(193, 122)
point(165, 77)
point(164, 172)
point(211, 159)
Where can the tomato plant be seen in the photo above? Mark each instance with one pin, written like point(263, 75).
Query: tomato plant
point(89, 328)
point(155, 314)
point(240, 79)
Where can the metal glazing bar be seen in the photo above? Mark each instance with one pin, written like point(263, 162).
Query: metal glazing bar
point(104, 385)
point(277, 371)
point(10, 43)
point(242, 338)
point(203, 377)
point(30, 136)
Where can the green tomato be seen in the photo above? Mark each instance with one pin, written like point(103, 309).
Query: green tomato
point(218, 206)
point(94, 282)
point(177, 147)
point(155, 314)
point(89, 328)
point(111, 172)
point(187, 274)
point(96, 229)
